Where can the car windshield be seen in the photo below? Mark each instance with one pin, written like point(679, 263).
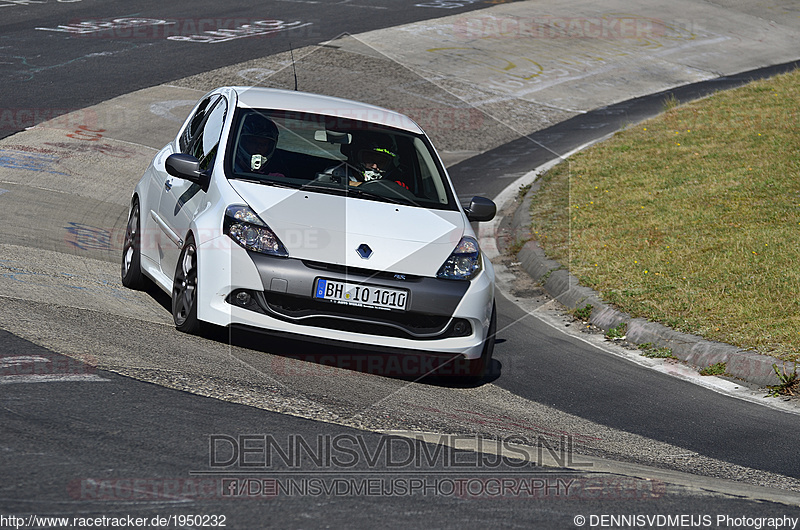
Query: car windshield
point(334, 155)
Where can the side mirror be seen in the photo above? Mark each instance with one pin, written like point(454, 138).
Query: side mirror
point(481, 209)
point(187, 167)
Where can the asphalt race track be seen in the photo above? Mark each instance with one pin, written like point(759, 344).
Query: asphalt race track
point(52, 62)
point(107, 410)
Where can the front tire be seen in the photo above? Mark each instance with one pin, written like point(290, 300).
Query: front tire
point(131, 270)
point(184, 290)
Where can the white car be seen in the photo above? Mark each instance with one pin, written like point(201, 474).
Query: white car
point(316, 217)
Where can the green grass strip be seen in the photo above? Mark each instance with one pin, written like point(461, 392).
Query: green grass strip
point(692, 218)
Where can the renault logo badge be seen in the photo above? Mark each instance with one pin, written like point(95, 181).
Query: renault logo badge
point(364, 251)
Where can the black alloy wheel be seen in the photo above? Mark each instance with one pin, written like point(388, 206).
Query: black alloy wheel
point(184, 290)
point(131, 270)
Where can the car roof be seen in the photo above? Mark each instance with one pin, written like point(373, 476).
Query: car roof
point(274, 98)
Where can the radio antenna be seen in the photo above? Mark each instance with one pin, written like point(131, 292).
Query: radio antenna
point(291, 51)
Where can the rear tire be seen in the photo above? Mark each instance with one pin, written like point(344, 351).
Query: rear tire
point(131, 270)
point(184, 290)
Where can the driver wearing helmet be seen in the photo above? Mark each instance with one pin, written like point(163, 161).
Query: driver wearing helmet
point(375, 161)
point(256, 148)
point(370, 158)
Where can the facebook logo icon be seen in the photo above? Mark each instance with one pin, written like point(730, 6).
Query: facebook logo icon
point(230, 487)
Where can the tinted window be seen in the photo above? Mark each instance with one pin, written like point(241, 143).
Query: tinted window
point(332, 155)
point(194, 124)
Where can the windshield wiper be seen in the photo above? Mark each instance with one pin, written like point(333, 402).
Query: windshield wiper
point(264, 182)
point(323, 187)
point(335, 188)
point(372, 195)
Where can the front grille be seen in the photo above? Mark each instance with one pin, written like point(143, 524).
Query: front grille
point(363, 273)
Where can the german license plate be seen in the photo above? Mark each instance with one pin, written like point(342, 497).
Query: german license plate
point(359, 294)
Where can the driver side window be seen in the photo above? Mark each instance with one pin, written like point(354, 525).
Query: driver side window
point(194, 124)
point(205, 143)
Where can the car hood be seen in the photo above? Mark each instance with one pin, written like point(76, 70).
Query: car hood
point(331, 229)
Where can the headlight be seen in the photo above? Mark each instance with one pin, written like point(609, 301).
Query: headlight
point(464, 263)
point(244, 226)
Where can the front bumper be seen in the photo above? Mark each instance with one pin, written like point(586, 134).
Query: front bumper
point(288, 295)
point(442, 316)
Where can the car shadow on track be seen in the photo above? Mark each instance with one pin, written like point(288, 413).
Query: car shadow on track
point(295, 356)
point(159, 296)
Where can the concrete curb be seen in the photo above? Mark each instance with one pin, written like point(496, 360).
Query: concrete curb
point(564, 287)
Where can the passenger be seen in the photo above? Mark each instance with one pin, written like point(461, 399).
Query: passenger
point(255, 152)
